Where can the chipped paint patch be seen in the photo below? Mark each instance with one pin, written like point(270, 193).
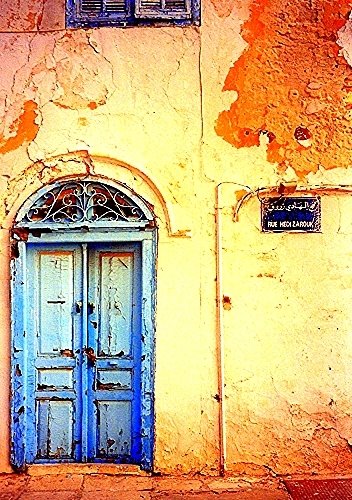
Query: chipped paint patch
point(84, 76)
point(287, 81)
point(345, 40)
point(25, 129)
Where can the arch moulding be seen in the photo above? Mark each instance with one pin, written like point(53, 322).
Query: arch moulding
point(81, 164)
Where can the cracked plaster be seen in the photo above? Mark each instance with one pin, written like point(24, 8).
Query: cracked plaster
point(71, 72)
point(32, 15)
point(287, 394)
point(150, 98)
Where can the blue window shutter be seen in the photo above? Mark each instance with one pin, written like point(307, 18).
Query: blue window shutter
point(96, 12)
point(131, 12)
point(163, 9)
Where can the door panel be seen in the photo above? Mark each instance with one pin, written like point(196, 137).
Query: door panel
point(54, 435)
point(55, 301)
point(114, 429)
point(115, 284)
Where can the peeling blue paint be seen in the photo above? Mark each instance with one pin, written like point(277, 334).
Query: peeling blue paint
point(54, 383)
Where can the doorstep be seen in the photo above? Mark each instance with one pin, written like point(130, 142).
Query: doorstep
point(68, 468)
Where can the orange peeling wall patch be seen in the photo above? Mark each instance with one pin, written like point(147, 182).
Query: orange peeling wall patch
point(24, 127)
point(291, 78)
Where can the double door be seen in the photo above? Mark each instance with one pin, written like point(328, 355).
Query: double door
point(84, 353)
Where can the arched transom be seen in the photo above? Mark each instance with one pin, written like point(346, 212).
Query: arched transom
point(88, 202)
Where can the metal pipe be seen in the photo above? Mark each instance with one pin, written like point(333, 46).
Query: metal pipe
point(220, 325)
point(219, 333)
point(219, 294)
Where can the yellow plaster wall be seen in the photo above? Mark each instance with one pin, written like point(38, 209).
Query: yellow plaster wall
point(141, 106)
point(288, 343)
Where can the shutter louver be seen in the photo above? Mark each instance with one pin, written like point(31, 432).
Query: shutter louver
point(154, 4)
point(108, 6)
point(115, 5)
point(163, 9)
point(93, 6)
point(175, 4)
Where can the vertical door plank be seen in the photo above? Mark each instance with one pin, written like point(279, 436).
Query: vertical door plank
point(116, 299)
point(148, 287)
point(114, 328)
point(55, 301)
point(85, 375)
point(19, 405)
point(42, 428)
point(54, 354)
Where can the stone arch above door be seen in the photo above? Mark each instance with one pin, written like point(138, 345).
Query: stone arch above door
point(172, 219)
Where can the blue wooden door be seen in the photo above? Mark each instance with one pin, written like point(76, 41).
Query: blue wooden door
point(114, 326)
point(84, 351)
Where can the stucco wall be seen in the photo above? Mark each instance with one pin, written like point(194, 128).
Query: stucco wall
point(173, 112)
point(288, 342)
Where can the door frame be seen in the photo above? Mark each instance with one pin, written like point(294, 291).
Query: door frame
point(147, 237)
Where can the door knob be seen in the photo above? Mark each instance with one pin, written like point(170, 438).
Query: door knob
point(89, 352)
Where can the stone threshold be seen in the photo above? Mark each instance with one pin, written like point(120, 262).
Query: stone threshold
point(67, 468)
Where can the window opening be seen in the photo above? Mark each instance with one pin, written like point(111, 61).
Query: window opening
point(90, 13)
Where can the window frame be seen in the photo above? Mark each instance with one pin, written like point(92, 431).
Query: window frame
point(133, 17)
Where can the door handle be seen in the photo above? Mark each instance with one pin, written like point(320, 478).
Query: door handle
point(89, 352)
point(79, 306)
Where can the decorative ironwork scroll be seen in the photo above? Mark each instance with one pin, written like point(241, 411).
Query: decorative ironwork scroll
point(76, 202)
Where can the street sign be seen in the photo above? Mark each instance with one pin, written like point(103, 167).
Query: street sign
point(291, 214)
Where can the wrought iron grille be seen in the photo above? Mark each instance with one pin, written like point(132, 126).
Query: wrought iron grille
point(77, 202)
